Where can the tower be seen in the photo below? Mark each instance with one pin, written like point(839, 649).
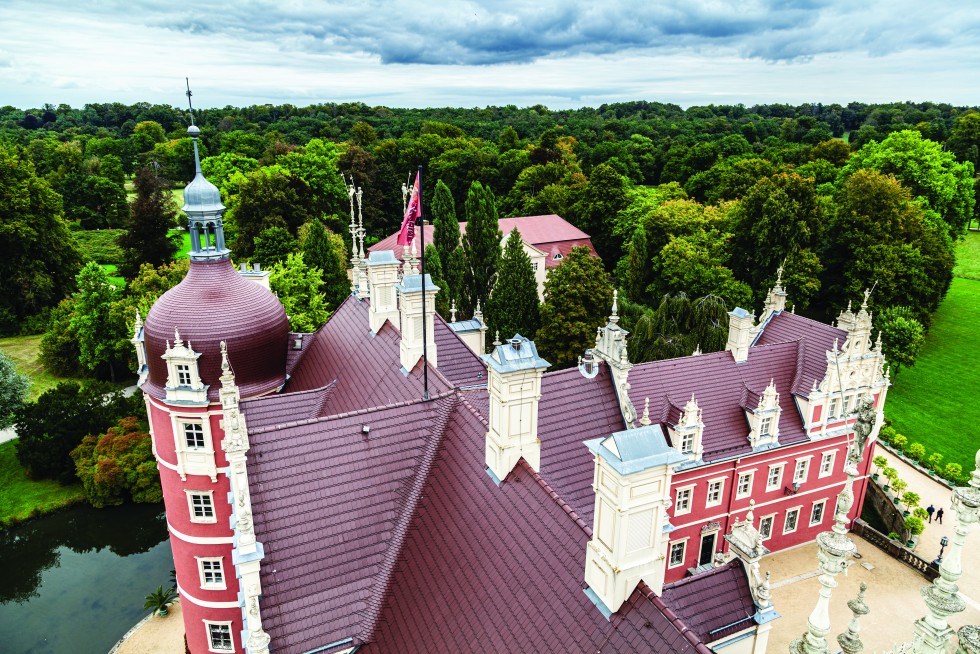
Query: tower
point(181, 341)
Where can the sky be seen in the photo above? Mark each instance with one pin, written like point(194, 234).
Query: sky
point(559, 53)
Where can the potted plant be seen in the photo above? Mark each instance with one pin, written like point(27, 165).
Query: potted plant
point(899, 486)
point(911, 500)
point(914, 526)
point(891, 474)
point(880, 463)
point(920, 513)
point(159, 600)
point(935, 463)
point(917, 451)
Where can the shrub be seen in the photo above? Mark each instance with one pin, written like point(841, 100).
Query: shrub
point(911, 499)
point(914, 525)
point(952, 471)
point(899, 441)
point(935, 461)
point(917, 451)
point(920, 513)
point(880, 462)
point(890, 473)
point(894, 536)
point(118, 462)
point(899, 485)
point(887, 434)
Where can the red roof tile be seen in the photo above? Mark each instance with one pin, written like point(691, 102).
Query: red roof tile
point(270, 410)
point(818, 339)
point(457, 362)
point(714, 604)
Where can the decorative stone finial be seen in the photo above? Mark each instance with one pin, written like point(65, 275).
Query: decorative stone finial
point(850, 641)
point(177, 341)
point(478, 312)
point(139, 321)
point(645, 419)
point(867, 294)
point(225, 366)
point(614, 317)
point(452, 311)
point(779, 273)
point(697, 351)
point(496, 339)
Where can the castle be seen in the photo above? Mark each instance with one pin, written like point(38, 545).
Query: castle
point(335, 491)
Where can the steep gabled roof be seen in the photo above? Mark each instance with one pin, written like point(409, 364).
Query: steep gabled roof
point(331, 506)
point(365, 367)
point(457, 362)
point(714, 604)
point(817, 339)
point(572, 410)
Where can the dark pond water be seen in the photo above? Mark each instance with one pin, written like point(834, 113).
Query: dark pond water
point(74, 582)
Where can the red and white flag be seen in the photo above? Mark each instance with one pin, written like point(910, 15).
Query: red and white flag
point(412, 214)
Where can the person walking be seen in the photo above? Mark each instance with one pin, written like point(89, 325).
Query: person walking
point(939, 516)
point(930, 511)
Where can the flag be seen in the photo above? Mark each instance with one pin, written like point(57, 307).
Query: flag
point(412, 214)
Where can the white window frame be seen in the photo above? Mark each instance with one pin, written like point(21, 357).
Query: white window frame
point(847, 406)
point(827, 460)
point(687, 442)
point(688, 491)
point(765, 426)
point(558, 256)
point(801, 470)
point(208, 625)
point(205, 562)
point(534, 266)
point(770, 485)
point(194, 460)
point(197, 427)
point(772, 522)
point(719, 488)
point(795, 511)
point(183, 371)
point(191, 494)
point(832, 409)
point(670, 555)
point(823, 511)
point(750, 476)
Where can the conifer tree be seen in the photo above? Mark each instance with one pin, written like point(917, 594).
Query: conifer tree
point(513, 305)
point(319, 247)
point(153, 213)
point(433, 268)
point(481, 246)
point(577, 300)
point(636, 276)
point(444, 222)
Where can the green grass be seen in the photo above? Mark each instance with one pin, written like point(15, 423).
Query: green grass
point(24, 350)
point(22, 498)
point(99, 244)
point(185, 242)
point(114, 279)
point(934, 402)
point(968, 256)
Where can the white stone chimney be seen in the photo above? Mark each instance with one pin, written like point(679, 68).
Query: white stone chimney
point(382, 277)
point(741, 331)
point(514, 382)
point(632, 476)
point(410, 296)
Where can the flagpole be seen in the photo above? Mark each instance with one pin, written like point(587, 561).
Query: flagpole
point(425, 340)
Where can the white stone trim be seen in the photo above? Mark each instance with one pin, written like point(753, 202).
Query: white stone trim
point(670, 548)
point(206, 604)
point(798, 476)
point(708, 503)
point(690, 503)
point(772, 524)
point(201, 560)
point(200, 540)
point(190, 461)
point(796, 525)
point(833, 460)
point(219, 623)
point(823, 512)
point(779, 482)
point(738, 483)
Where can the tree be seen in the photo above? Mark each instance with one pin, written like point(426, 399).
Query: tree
point(267, 197)
point(325, 250)
point(59, 350)
point(273, 245)
point(118, 463)
point(433, 268)
point(445, 225)
point(481, 246)
point(316, 164)
point(49, 429)
point(40, 257)
point(221, 171)
point(14, 387)
point(98, 338)
point(600, 200)
point(902, 336)
point(297, 286)
point(926, 170)
point(513, 305)
point(577, 300)
point(677, 327)
point(152, 214)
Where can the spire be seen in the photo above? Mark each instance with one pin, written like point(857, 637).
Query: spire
point(645, 419)
point(202, 204)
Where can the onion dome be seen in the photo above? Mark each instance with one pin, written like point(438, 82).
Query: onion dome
point(212, 304)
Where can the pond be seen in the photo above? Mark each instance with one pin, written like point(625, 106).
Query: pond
point(75, 581)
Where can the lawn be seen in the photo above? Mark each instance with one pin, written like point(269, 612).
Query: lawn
point(968, 257)
point(23, 350)
point(21, 498)
point(934, 402)
point(114, 279)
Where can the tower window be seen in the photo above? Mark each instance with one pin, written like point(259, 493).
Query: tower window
point(194, 435)
point(219, 637)
point(212, 574)
point(201, 506)
point(183, 375)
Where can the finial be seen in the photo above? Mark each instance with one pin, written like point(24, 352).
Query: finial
point(792, 309)
point(139, 322)
point(697, 351)
point(193, 130)
point(225, 366)
point(779, 273)
point(452, 311)
point(496, 338)
point(360, 223)
point(177, 341)
point(478, 312)
point(867, 294)
point(750, 516)
point(645, 419)
point(614, 318)
point(189, 94)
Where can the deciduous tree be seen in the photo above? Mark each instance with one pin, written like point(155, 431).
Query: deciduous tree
point(298, 287)
point(118, 463)
point(902, 336)
point(152, 214)
point(14, 387)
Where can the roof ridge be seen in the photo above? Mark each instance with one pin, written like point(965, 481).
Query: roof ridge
point(473, 410)
point(400, 531)
point(675, 620)
point(556, 497)
point(683, 581)
point(322, 403)
point(800, 359)
point(308, 421)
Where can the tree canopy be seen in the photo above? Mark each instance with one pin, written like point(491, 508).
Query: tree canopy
point(513, 305)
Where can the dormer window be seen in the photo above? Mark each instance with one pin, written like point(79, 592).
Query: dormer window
point(765, 429)
point(558, 257)
point(832, 412)
point(686, 429)
point(183, 375)
point(762, 412)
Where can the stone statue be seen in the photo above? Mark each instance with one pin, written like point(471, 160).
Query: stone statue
point(865, 423)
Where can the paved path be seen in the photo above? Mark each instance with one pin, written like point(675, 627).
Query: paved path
point(157, 635)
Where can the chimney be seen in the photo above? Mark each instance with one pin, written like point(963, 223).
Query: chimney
point(382, 274)
point(741, 331)
point(410, 306)
point(514, 382)
point(631, 479)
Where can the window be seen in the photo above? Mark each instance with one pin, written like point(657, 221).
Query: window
point(684, 497)
point(765, 526)
point(792, 517)
point(194, 435)
point(801, 471)
point(832, 412)
point(827, 464)
point(212, 574)
point(219, 636)
point(183, 375)
point(847, 405)
point(534, 265)
point(744, 485)
point(775, 477)
point(677, 552)
point(766, 427)
point(201, 506)
point(558, 256)
point(816, 513)
point(687, 443)
point(714, 492)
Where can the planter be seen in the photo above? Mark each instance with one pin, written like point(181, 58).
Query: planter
point(895, 499)
point(886, 488)
point(906, 514)
point(162, 612)
point(875, 476)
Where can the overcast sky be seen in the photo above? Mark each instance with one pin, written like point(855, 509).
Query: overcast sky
point(561, 53)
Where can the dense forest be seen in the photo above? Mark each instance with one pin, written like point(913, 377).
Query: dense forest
point(692, 211)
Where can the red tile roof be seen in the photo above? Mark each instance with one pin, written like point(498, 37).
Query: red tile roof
point(457, 362)
point(817, 337)
point(714, 604)
point(271, 410)
point(550, 233)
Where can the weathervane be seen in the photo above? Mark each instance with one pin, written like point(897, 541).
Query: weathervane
point(189, 94)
